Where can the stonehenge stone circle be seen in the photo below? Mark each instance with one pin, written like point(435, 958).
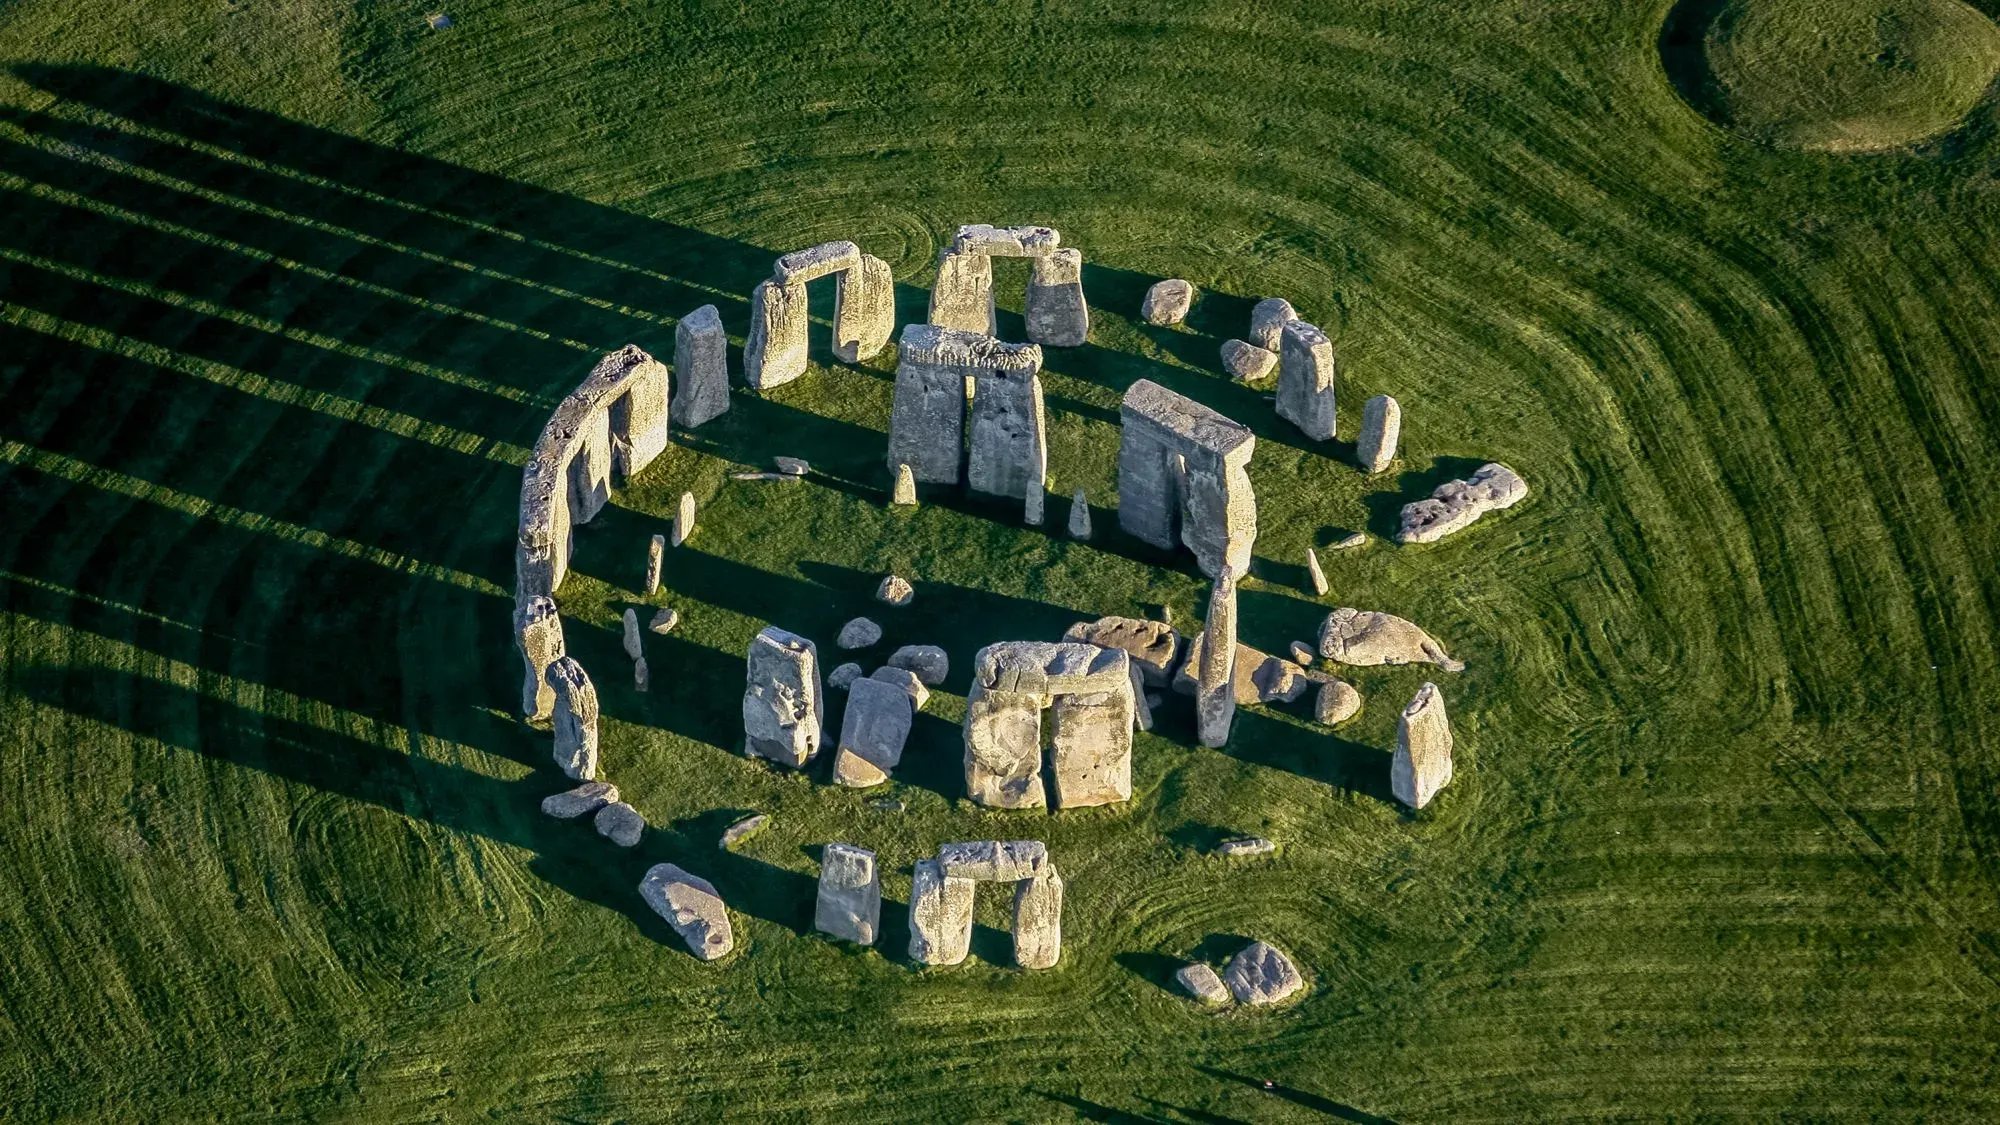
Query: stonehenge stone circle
point(1153, 646)
point(538, 634)
point(1183, 478)
point(691, 906)
point(1215, 680)
point(872, 732)
point(575, 719)
point(1261, 974)
point(1457, 503)
point(941, 895)
point(931, 663)
point(1315, 577)
point(1381, 428)
point(620, 823)
point(1055, 311)
point(906, 681)
point(1013, 681)
point(927, 420)
point(701, 364)
point(962, 295)
point(1364, 638)
point(1268, 318)
point(849, 905)
point(905, 492)
point(656, 559)
point(742, 830)
point(1247, 363)
point(1306, 371)
point(774, 353)
point(1202, 983)
point(940, 915)
point(781, 698)
point(858, 633)
point(1167, 302)
point(580, 801)
point(843, 676)
point(895, 591)
point(1338, 702)
point(1079, 516)
point(1422, 763)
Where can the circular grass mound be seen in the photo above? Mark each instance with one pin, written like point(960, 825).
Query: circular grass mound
point(1833, 75)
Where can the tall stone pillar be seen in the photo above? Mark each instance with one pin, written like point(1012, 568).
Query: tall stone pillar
point(1215, 690)
point(1381, 428)
point(775, 351)
point(701, 367)
point(1055, 311)
point(1008, 440)
point(1305, 379)
point(1003, 748)
point(864, 310)
point(538, 634)
point(1038, 903)
point(940, 915)
point(575, 719)
point(962, 296)
point(1422, 763)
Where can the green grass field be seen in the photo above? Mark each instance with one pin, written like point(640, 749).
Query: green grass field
point(287, 290)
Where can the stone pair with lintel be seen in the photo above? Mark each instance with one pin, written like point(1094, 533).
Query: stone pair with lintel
point(864, 311)
point(1092, 694)
point(1055, 310)
point(1006, 451)
point(1183, 478)
point(941, 892)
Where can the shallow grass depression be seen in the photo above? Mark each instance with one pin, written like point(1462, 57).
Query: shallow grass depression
point(288, 292)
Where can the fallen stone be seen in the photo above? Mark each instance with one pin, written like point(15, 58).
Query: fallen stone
point(684, 519)
point(1303, 654)
point(792, 466)
point(580, 801)
point(701, 368)
point(929, 662)
point(849, 905)
point(1422, 762)
point(1079, 516)
point(1258, 676)
point(1152, 645)
point(907, 681)
point(990, 861)
point(575, 719)
point(1247, 363)
point(781, 698)
point(859, 633)
point(843, 676)
point(1038, 919)
point(1381, 427)
point(620, 823)
point(1364, 638)
point(873, 731)
point(764, 476)
point(664, 621)
point(742, 830)
point(1167, 302)
point(887, 804)
point(1248, 845)
point(905, 494)
point(656, 557)
point(1457, 504)
point(1349, 542)
point(895, 591)
point(1315, 577)
point(940, 915)
point(1268, 318)
point(691, 906)
point(1202, 983)
point(633, 647)
point(1261, 974)
point(1306, 375)
point(1338, 702)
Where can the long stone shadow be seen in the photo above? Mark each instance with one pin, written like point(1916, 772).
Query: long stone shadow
point(1250, 406)
point(1385, 506)
point(1319, 755)
point(1336, 1110)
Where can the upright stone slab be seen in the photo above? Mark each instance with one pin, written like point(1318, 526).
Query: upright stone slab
point(1267, 322)
point(1215, 692)
point(904, 494)
point(1305, 379)
point(1220, 527)
point(541, 551)
point(962, 296)
point(1056, 313)
point(1422, 763)
point(781, 698)
point(1381, 427)
point(1003, 748)
point(1079, 516)
point(850, 894)
point(684, 518)
point(864, 310)
point(1008, 440)
point(872, 732)
point(538, 634)
point(632, 639)
point(640, 408)
point(940, 915)
point(701, 365)
point(575, 719)
point(1038, 919)
point(1092, 752)
point(1183, 477)
point(590, 464)
point(926, 425)
point(775, 351)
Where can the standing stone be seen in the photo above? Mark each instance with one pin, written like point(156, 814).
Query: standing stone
point(1167, 302)
point(1381, 426)
point(1092, 748)
point(1055, 311)
point(701, 364)
point(1215, 692)
point(1079, 516)
point(927, 420)
point(691, 906)
point(1338, 702)
point(872, 733)
point(1247, 363)
point(905, 493)
point(1038, 919)
point(1457, 503)
point(1032, 504)
point(1183, 477)
point(538, 634)
point(962, 296)
point(1202, 983)
point(632, 390)
point(850, 894)
point(1315, 577)
point(575, 719)
point(1267, 322)
point(781, 698)
point(684, 519)
point(864, 310)
point(940, 915)
point(1003, 748)
point(580, 801)
point(619, 823)
point(634, 648)
point(1305, 380)
point(1008, 438)
point(1422, 764)
point(774, 353)
point(642, 676)
point(656, 558)
point(1262, 974)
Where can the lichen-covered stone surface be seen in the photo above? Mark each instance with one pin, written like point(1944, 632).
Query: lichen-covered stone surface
point(701, 368)
point(1038, 903)
point(691, 906)
point(1091, 748)
point(864, 310)
point(1006, 242)
point(1306, 372)
point(1268, 318)
point(1262, 974)
point(539, 637)
point(931, 663)
point(815, 262)
point(872, 732)
point(1215, 664)
point(575, 719)
point(1315, 575)
point(1458, 503)
point(927, 417)
point(894, 591)
point(774, 352)
point(1365, 638)
point(742, 830)
point(1079, 516)
point(1008, 439)
point(580, 801)
point(1055, 311)
point(1381, 428)
point(940, 915)
point(962, 295)
point(1338, 702)
point(1202, 983)
point(849, 905)
point(781, 698)
point(1422, 763)
point(1003, 748)
point(1167, 302)
point(989, 861)
point(858, 633)
point(906, 681)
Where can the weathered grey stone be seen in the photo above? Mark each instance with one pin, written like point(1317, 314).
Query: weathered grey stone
point(642, 675)
point(1306, 372)
point(872, 733)
point(538, 635)
point(1381, 427)
point(1038, 919)
point(656, 559)
point(864, 310)
point(1142, 703)
point(1167, 302)
point(1183, 477)
point(929, 662)
point(1261, 974)
point(632, 388)
point(887, 804)
point(1003, 748)
point(1315, 577)
point(1303, 654)
point(1422, 762)
point(895, 591)
point(1202, 983)
point(1045, 668)
point(1153, 646)
point(1349, 542)
point(664, 621)
point(575, 719)
point(1006, 242)
point(1364, 638)
point(1091, 754)
point(962, 295)
point(620, 823)
point(781, 698)
point(1278, 680)
point(1079, 516)
point(927, 421)
point(580, 801)
point(701, 363)
point(1457, 503)
point(774, 353)
point(1055, 311)
point(993, 861)
point(1267, 322)
point(843, 676)
point(634, 648)
point(1247, 363)
point(1215, 681)
point(691, 906)
point(849, 905)
point(742, 830)
point(906, 681)
point(1036, 496)
point(1008, 440)
point(859, 633)
point(792, 466)
point(1338, 702)
point(940, 915)
point(815, 262)
point(1247, 845)
point(905, 493)
point(684, 518)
